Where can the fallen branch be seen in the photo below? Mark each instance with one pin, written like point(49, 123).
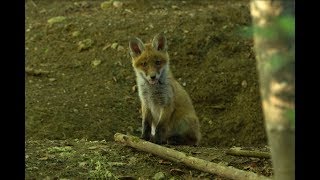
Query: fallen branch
point(240, 152)
point(176, 156)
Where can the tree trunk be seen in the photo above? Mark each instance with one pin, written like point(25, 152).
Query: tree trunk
point(273, 24)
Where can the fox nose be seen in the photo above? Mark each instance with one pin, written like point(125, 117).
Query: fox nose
point(153, 77)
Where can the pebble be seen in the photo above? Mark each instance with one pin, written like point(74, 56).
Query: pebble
point(85, 44)
point(114, 45)
point(174, 7)
point(52, 79)
point(82, 164)
point(159, 175)
point(244, 83)
point(106, 5)
point(92, 147)
point(96, 62)
point(128, 10)
point(43, 158)
point(57, 19)
point(120, 48)
point(75, 33)
point(192, 15)
point(117, 4)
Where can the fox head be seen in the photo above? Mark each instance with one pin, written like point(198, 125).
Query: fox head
point(150, 61)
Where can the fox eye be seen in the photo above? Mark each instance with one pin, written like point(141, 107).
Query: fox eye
point(158, 62)
point(144, 64)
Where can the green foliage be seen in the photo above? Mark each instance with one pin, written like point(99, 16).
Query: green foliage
point(283, 26)
point(245, 31)
point(101, 172)
point(277, 61)
point(287, 25)
point(57, 149)
point(99, 169)
point(290, 114)
point(64, 152)
point(274, 64)
point(283, 29)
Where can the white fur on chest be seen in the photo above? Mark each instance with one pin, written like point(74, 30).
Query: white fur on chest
point(156, 114)
point(155, 99)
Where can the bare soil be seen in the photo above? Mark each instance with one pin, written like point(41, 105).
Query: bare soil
point(80, 85)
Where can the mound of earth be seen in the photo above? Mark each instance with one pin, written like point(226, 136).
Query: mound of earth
point(80, 83)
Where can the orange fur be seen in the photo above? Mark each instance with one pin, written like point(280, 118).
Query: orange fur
point(168, 115)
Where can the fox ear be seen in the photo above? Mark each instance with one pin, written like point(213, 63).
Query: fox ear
point(159, 42)
point(136, 47)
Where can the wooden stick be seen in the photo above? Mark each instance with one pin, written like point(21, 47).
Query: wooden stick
point(240, 152)
point(176, 156)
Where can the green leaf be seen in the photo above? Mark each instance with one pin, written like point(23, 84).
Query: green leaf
point(290, 114)
point(287, 25)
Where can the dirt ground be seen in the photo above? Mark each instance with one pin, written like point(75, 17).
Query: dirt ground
point(80, 85)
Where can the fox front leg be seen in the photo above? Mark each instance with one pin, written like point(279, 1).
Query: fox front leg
point(146, 127)
point(159, 128)
point(158, 138)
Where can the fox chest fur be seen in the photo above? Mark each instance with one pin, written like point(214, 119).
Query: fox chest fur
point(155, 97)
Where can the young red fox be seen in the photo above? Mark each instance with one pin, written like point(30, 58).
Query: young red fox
point(168, 115)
